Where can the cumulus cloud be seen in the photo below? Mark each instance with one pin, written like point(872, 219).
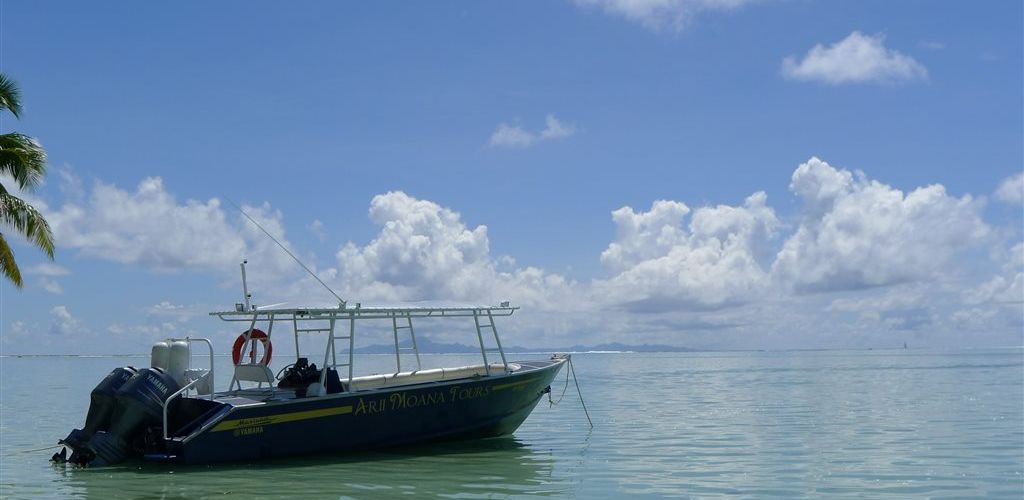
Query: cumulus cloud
point(47, 269)
point(711, 276)
point(658, 264)
point(421, 250)
point(62, 322)
point(645, 235)
point(148, 332)
point(317, 228)
point(426, 252)
point(51, 286)
point(554, 129)
point(858, 58)
point(1006, 287)
point(858, 233)
point(178, 312)
point(512, 136)
point(659, 15)
point(1011, 190)
point(998, 303)
point(47, 273)
point(669, 260)
point(150, 228)
point(898, 308)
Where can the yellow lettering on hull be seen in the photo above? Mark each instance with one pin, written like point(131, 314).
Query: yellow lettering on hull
point(372, 406)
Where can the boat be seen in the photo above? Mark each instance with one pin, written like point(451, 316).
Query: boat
point(172, 412)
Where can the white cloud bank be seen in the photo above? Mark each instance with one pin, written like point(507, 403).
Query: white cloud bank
point(660, 15)
point(859, 233)
point(657, 264)
point(426, 252)
point(150, 228)
point(513, 136)
point(858, 58)
point(48, 269)
point(863, 259)
point(1011, 190)
point(1006, 287)
point(48, 273)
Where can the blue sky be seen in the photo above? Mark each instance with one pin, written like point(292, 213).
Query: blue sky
point(537, 120)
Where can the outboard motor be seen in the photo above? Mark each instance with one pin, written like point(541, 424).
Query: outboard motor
point(101, 409)
point(139, 405)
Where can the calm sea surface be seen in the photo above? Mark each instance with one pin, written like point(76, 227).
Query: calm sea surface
point(825, 424)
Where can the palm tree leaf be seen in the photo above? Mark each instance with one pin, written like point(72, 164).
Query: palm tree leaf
point(10, 96)
point(22, 158)
point(27, 221)
point(7, 264)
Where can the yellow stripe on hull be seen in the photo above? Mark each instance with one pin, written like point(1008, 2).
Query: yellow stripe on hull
point(509, 385)
point(244, 423)
point(228, 425)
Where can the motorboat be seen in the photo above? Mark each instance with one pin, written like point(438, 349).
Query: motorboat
point(172, 412)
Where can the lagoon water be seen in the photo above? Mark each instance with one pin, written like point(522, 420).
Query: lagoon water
point(813, 424)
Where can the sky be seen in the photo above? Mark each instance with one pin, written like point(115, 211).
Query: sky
point(715, 174)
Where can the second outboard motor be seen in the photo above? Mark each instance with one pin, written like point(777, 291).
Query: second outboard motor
point(101, 407)
point(140, 404)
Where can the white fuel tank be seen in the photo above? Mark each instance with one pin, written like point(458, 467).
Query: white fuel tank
point(160, 355)
point(178, 361)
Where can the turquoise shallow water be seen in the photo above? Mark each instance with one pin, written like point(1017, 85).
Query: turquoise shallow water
point(818, 424)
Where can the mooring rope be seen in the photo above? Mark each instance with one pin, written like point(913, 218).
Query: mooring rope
point(29, 451)
point(553, 403)
point(578, 391)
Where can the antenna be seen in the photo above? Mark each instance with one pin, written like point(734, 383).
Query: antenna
point(341, 301)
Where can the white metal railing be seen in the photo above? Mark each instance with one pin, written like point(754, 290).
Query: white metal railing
point(207, 375)
point(300, 318)
point(412, 336)
point(167, 402)
point(480, 336)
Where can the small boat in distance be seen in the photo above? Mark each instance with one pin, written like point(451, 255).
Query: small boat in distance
point(171, 412)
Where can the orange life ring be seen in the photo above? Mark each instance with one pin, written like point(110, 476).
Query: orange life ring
point(268, 348)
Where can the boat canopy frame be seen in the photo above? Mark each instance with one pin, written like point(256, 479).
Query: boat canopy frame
point(401, 319)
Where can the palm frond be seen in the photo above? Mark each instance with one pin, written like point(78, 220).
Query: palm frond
point(27, 221)
point(7, 264)
point(10, 96)
point(22, 158)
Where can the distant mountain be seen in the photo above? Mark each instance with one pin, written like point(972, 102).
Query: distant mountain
point(428, 346)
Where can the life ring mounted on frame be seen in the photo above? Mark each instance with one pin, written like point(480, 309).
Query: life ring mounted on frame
point(255, 336)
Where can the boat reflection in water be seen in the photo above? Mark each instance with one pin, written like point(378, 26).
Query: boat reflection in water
point(496, 467)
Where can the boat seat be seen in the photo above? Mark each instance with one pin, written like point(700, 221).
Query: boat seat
point(254, 373)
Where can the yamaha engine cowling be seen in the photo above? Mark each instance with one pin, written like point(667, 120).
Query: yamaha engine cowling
point(139, 405)
point(101, 407)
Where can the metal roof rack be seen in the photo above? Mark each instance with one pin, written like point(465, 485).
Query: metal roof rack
point(360, 312)
point(326, 321)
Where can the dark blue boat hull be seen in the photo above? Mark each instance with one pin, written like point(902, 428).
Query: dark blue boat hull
point(447, 410)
